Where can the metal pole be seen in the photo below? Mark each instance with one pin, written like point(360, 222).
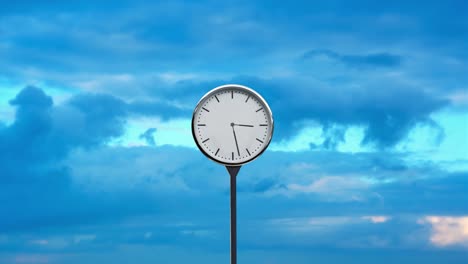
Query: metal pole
point(233, 220)
point(233, 170)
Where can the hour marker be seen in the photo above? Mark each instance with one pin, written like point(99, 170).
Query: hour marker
point(259, 140)
point(232, 155)
point(209, 139)
point(217, 98)
point(257, 110)
point(201, 124)
point(263, 124)
point(232, 94)
point(247, 98)
point(248, 151)
point(205, 109)
point(217, 152)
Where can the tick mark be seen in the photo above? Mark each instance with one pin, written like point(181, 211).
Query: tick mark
point(201, 124)
point(257, 110)
point(263, 124)
point(209, 139)
point(247, 98)
point(232, 155)
point(217, 152)
point(248, 151)
point(259, 140)
point(205, 109)
point(232, 94)
point(217, 98)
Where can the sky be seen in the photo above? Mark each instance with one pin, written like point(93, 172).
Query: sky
point(368, 162)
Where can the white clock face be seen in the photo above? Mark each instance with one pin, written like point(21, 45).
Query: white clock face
point(232, 124)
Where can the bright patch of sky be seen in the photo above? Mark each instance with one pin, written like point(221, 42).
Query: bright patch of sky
point(174, 132)
point(450, 149)
point(8, 91)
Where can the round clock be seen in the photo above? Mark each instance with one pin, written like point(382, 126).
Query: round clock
point(232, 125)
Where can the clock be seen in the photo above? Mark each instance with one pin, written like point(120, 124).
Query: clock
point(232, 125)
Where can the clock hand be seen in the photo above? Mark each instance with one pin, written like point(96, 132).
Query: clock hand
point(235, 138)
point(243, 125)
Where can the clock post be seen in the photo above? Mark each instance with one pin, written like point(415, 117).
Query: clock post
point(233, 170)
point(232, 125)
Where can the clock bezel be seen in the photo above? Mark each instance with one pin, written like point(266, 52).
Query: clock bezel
point(247, 90)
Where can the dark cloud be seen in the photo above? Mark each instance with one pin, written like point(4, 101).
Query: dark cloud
point(332, 137)
point(370, 60)
point(443, 193)
point(43, 132)
point(33, 149)
point(163, 109)
point(33, 121)
point(31, 97)
point(100, 118)
point(148, 136)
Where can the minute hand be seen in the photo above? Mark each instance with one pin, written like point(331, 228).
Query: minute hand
point(243, 125)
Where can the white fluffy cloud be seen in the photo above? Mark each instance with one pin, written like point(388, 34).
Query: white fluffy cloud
point(377, 219)
point(335, 188)
point(447, 231)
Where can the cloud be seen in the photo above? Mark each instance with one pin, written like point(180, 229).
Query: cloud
point(42, 131)
point(91, 119)
point(377, 219)
point(31, 258)
point(459, 98)
point(331, 181)
point(34, 147)
point(333, 187)
point(28, 140)
point(347, 231)
point(441, 191)
point(31, 97)
point(164, 109)
point(358, 61)
point(447, 231)
point(148, 136)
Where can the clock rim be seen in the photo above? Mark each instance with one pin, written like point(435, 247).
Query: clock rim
point(226, 87)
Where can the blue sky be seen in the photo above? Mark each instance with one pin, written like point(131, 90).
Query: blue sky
point(369, 161)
